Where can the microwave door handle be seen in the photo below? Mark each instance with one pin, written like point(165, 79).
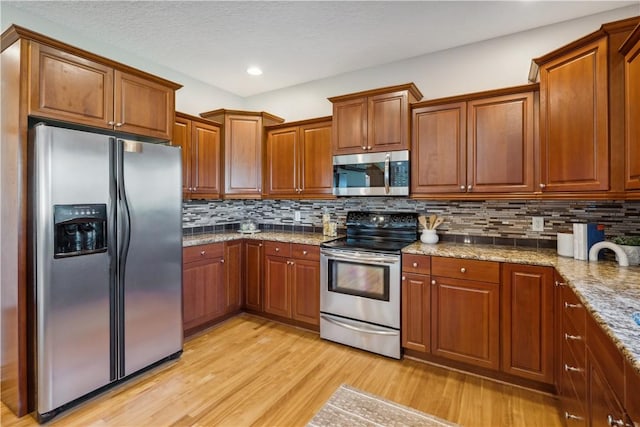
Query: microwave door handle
point(387, 161)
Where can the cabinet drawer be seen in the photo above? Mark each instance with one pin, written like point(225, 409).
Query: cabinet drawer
point(482, 271)
point(573, 311)
point(277, 249)
point(576, 341)
point(200, 252)
point(574, 413)
point(309, 252)
point(574, 371)
point(420, 264)
point(607, 356)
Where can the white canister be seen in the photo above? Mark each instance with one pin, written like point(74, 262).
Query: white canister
point(565, 244)
point(429, 236)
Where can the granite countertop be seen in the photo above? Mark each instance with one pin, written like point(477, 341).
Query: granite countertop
point(609, 292)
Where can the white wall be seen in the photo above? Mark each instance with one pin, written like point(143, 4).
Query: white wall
point(195, 95)
point(492, 64)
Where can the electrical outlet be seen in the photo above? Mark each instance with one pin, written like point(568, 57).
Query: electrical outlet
point(537, 223)
point(296, 216)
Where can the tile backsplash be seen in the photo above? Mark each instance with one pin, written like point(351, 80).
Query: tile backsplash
point(502, 221)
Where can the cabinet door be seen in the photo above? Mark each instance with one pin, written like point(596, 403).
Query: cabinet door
point(438, 154)
point(277, 295)
point(465, 319)
point(305, 284)
point(350, 126)
point(603, 404)
point(203, 292)
point(205, 160)
point(316, 161)
point(182, 138)
point(143, 107)
point(416, 312)
point(632, 112)
point(574, 131)
point(388, 122)
point(70, 88)
point(253, 276)
point(282, 162)
point(243, 156)
point(632, 392)
point(527, 321)
point(233, 267)
point(500, 144)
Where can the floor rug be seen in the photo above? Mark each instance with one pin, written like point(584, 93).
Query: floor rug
point(351, 407)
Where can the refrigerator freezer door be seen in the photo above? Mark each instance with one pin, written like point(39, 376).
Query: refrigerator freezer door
point(72, 294)
point(151, 265)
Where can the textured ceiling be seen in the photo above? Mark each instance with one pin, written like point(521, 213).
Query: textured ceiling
point(296, 41)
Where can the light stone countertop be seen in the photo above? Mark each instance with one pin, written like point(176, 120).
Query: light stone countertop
point(610, 293)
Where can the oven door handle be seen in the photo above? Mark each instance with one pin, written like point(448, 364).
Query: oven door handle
point(360, 258)
point(387, 161)
point(367, 330)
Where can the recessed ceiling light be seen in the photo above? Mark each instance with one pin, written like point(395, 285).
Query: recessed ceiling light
point(254, 71)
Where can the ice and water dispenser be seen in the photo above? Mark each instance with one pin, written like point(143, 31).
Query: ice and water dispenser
point(79, 229)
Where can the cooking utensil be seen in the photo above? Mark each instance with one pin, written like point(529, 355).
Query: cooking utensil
point(439, 220)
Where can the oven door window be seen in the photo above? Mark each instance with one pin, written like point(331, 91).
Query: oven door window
point(364, 280)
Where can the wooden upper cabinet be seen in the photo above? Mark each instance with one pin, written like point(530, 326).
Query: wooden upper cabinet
point(438, 154)
point(574, 131)
point(143, 107)
point(476, 143)
point(242, 149)
point(70, 86)
point(298, 160)
point(373, 121)
point(200, 142)
point(631, 51)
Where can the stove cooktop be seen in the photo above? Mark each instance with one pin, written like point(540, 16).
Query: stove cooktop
point(367, 245)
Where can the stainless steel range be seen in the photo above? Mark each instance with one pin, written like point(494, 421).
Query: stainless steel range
point(360, 281)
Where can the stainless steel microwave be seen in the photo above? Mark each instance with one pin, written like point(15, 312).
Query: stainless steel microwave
point(371, 174)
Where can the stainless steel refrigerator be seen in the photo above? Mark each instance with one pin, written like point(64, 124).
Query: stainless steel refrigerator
point(107, 261)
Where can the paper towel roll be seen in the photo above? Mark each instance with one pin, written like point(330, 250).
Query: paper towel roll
point(565, 244)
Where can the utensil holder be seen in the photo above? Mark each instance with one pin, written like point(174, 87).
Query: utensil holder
point(429, 236)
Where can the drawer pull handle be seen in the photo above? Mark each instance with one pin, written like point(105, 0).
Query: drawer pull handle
point(572, 368)
point(569, 416)
point(615, 423)
point(569, 305)
point(463, 270)
point(415, 264)
point(572, 337)
point(558, 283)
point(202, 253)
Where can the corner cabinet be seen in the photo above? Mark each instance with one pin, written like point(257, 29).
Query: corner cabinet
point(373, 121)
point(527, 322)
point(631, 51)
point(72, 87)
point(242, 150)
point(200, 143)
point(478, 143)
point(298, 160)
point(582, 115)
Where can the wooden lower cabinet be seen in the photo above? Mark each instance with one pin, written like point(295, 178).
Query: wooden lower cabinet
point(253, 273)
point(416, 313)
point(292, 281)
point(233, 267)
point(527, 322)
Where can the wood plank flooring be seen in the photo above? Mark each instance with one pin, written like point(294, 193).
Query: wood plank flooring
point(250, 371)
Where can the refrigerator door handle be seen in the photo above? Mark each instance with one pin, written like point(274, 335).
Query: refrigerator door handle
point(112, 250)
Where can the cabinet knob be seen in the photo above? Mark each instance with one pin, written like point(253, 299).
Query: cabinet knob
point(542, 185)
point(259, 245)
point(462, 188)
point(277, 249)
point(615, 423)
point(119, 124)
point(364, 147)
point(469, 187)
point(570, 368)
point(222, 261)
point(404, 277)
point(111, 123)
point(569, 416)
point(415, 264)
point(569, 305)
point(463, 270)
point(369, 147)
point(572, 337)
point(433, 282)
point(304, 252)
point(557, 283)
point(202, 253)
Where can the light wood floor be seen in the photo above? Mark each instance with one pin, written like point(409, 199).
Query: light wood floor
point(250, 371)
